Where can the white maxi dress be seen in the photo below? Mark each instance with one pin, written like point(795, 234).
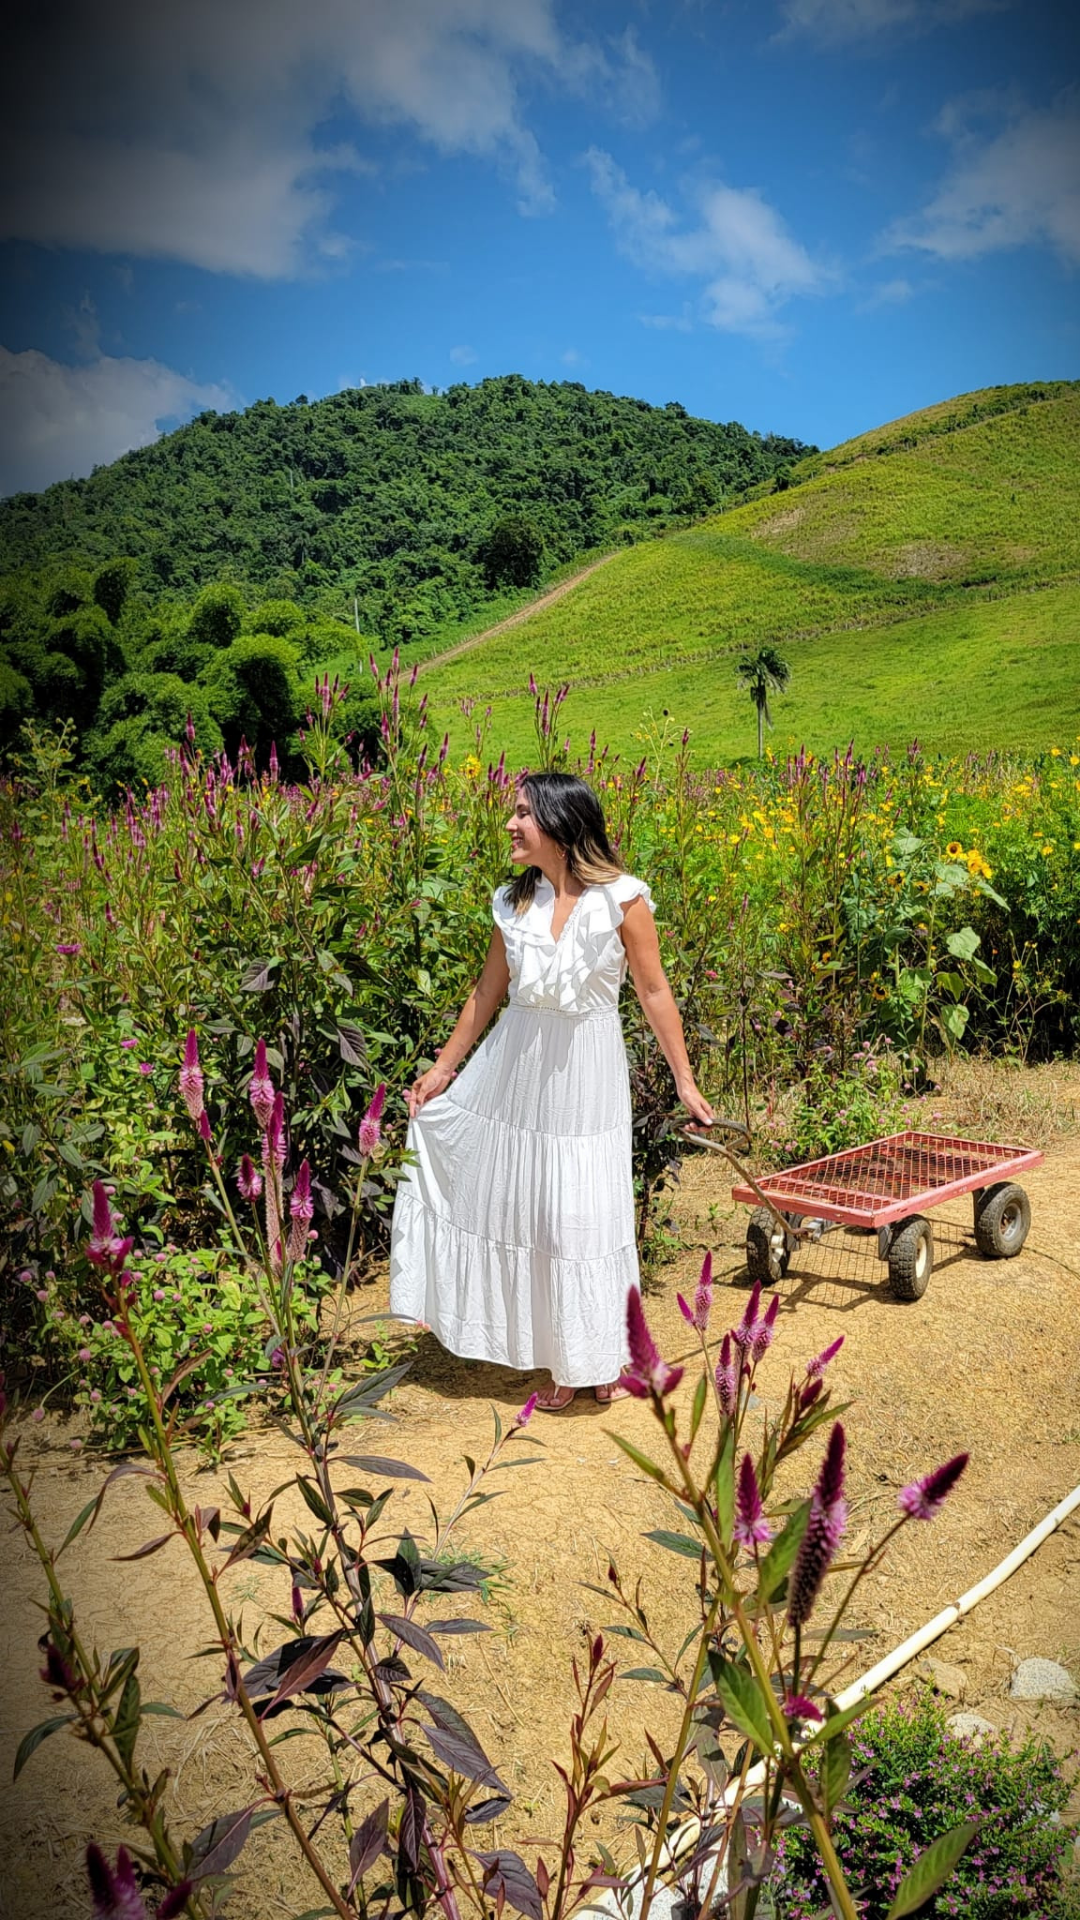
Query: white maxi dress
point(513, 1233)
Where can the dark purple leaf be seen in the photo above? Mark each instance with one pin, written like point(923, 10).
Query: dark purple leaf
point(148, 1547)
point(34, 1738)
point(458, 1626)
point(375, 1463)
point(250, 1540)
point(506, 1872)
point(368, 1842)
point(456, 1745)
point(411, 1832)
point(218, 1845)
point(299, 1673)
point(462, 1577)
point(486, 1810)
point(414, 1637)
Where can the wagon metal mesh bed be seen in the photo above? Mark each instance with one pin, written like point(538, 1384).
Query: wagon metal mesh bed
point(888, 1180)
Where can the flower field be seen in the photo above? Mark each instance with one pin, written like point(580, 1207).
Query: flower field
point(835, 923)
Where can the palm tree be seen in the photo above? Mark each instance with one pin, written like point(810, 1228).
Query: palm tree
point(763, 673)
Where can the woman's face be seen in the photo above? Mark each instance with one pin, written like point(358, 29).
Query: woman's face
point(530, 846)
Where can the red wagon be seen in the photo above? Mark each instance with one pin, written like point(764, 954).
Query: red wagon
point(887, 1187)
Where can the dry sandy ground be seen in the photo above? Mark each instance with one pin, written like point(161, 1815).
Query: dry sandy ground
point(989, 1359)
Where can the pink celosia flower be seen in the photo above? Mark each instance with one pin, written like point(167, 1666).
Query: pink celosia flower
point(751, 1527)
point(828, 1516)
point(798, 1707)
point(817, 1367)
point(116, 1893)
point(274, 1149)
point(248, 1178)
point(698, 1315)
point(743, 1334)
point(106, 1248)
point(647, 1372)
point(524, 1414)
point(370, 1125)
point(128, 1044)
point(763, 1332)
point(68, 947)
point(191, 1080)
point(205, 1133)
point(728, 1369)
point(927, 1496)
point(261, 1087)
point(809, 1393)
point(301, 1208)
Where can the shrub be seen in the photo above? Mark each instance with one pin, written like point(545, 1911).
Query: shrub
point(923, 1781)
point(193, 1311)
point(842, 1107)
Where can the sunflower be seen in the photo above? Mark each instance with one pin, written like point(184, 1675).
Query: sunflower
point(954, 850)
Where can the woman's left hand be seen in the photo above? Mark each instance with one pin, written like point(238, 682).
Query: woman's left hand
point(696, 1105)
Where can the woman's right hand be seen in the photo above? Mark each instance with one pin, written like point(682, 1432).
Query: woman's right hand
point(433, 1082)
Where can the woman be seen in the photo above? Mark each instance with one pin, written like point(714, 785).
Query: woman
point(513, 1234)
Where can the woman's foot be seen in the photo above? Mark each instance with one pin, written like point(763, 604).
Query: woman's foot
point(553, 1399)
point(604, 1395)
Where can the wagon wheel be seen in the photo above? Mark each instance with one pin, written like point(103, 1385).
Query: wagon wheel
point(768, 1254)
point(911, 1258)
point(1002, 1219)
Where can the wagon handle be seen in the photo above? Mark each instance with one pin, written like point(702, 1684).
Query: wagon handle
point(698, 1139)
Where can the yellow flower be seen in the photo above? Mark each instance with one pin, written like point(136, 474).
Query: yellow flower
point(1055, 753)
point(954, 850)
point(470, 765)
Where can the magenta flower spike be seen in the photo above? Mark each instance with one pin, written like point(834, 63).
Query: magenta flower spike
point(524, 1414)
point(115, 1893)
point(817, 1367)
point(687, 1312)
point(728, 1369)
point(763, 1332)
point(828, 1517)
point(301, 1209)
point(248, 1178)
point(744, 1334)
point(647, 1373)
point(205, 1134)
point(371, 1124)
point(927, 1496)
point(105, 1247)
point(751, 1528)
point(797, 1706)
point(261, 1088)
point(191, 1080)
point(703, 1296)
point(274, 1150)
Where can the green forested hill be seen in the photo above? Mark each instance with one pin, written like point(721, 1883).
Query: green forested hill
point(418, 504)
point(923, 579)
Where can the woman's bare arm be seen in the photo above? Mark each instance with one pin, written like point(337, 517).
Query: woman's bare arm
point(488, 994)
point(658, 1005)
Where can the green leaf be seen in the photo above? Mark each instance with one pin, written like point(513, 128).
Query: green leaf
point(953, 983)
point(954, 1020)
point(964, 944)
point(676, 1542)
point(125, 1727)
point(314, 1500)
point(640, 1459)
point(645, 1673)
point(700, 1393)
point(743, 1701)
point(931, 1869)
point(780, 1559)
point(725, 1488)
point(835, 1770)
point(32, 1741)
point(77, 1526)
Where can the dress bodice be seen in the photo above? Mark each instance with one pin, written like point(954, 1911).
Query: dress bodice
point(581, 971)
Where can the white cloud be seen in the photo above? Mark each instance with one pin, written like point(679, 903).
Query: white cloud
point(58, 421)
point(463, 356)
point(840, 22)
point(1020, 187)
point(192, 133)
point(888, 293)
point(736, 245)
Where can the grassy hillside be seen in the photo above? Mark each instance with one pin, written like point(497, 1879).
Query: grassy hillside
point(924, 579)
point(408, 508)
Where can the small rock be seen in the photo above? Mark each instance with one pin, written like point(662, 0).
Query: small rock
point(945, 1678)
point(1039, 1679)
point(970, 1726)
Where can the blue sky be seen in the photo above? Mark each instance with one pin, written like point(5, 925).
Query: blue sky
point(808, 215)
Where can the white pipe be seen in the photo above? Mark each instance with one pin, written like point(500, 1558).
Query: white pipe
point(685, 1838)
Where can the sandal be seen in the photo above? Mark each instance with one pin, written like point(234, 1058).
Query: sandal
point(555, 1403)
point(609, 1391)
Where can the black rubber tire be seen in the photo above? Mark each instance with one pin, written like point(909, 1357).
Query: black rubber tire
point(911, 1258)
point(764, 1260)
point(1002, 1220)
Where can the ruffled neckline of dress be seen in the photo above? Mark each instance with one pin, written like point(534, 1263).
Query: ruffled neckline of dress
point(554, 972)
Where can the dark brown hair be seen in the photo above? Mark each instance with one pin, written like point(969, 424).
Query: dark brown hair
point(568, 811)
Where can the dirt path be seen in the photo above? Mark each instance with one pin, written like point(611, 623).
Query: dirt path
point(547, 599)
point(987, 1360)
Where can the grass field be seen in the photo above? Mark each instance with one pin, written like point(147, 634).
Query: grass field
point(926, 581)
